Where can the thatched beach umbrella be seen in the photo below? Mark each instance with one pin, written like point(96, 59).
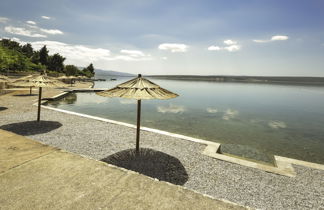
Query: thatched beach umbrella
point(46, 82)
point(64, 77)
point(138, 88)
point(71, 78)
point(25, 82)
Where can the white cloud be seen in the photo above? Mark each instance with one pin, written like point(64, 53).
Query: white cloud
point(83, 55)
point(232, 46)
point(33, 27)
point(173, 47)
point(273, 38)
point(51, 31)
point(75, 54)
point(3, 19)
point(279, 38)
point(133, 53)
point(46, 17)
point(15, 39)
point(261, 41)
point(31, 22)
point(214, 48)
point(122, 57)
point(129, 58)
point(171, 109)
point(22, 32)
point(164, 58)
point(230, 42)
point(31, 30)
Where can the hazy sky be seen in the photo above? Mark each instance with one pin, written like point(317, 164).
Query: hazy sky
point(216, 37)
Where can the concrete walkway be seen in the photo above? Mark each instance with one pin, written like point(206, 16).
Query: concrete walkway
point(37, 176)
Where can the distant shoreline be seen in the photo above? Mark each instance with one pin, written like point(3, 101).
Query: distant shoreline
point(317, 81)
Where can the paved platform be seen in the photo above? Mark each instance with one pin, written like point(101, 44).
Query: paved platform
point(37, 176)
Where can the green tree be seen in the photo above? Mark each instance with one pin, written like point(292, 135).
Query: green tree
point(5, 42)
point(90, 68)
point(27, 50)
point(35, 57)
point(20, 63)
point(12, 45)
point(71, 70)
point(43, 55)
point(55, 63)
point(88, 71)
point(36, 67)
point(14, 60)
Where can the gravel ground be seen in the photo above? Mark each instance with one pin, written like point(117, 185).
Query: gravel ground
point(220, 179)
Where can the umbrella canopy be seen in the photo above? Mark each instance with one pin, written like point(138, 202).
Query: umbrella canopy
point(47, 82)
point(71, 78)
point(138, 88)
point(24, 82)
point(37, 81)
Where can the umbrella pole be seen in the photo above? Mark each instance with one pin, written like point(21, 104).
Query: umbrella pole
point(39, 103)
point(30, 90)
point(138, 124)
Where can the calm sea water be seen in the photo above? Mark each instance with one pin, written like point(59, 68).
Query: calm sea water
point(274, 119)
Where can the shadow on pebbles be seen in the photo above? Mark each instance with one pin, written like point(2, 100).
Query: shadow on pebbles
point(151, 163)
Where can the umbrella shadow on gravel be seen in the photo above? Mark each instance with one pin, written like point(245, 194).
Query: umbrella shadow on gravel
point(31, 127)
point(2, 108)
point(151, 163)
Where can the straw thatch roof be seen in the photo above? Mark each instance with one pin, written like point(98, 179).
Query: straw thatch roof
point(24, 81)
point(138, 88)
point(37, 81)
point(45, 81)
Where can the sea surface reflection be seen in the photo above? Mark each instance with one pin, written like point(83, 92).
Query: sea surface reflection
point(274, 119)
